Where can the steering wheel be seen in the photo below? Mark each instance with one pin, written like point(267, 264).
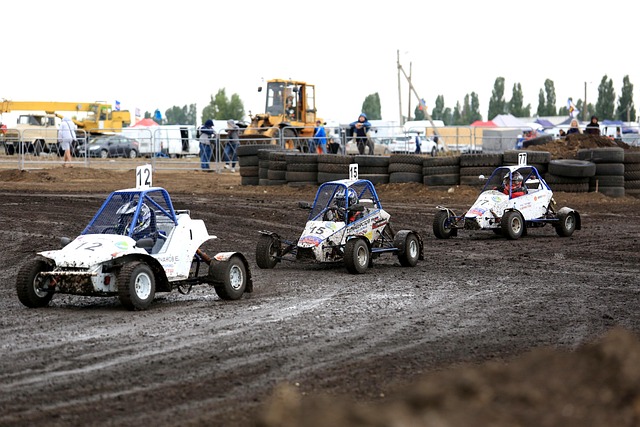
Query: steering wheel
point(333, 213)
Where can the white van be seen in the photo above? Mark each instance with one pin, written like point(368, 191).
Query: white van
point(165, 140)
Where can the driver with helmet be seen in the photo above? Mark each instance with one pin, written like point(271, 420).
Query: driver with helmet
point(342, 202)
point(513, 183)
point(143, 226)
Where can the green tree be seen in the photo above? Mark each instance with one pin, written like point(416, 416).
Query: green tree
point(437, 113)
point(186, 115)
point(456, 116)
point(590, 109)
point(447, 117)
point(371, 107)
point(550, 90)
point(471, 109)
point(515, 106)
point(497, 103)
point(222, 108)
point(542, 107)
point(626, 110)
point(418, 113)
point(606, 99)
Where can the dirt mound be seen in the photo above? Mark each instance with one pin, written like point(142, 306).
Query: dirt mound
point(597, 385)
point(566, 148)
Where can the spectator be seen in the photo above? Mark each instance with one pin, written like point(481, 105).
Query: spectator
point(562, 133)
point(418, 150)
point(207, 134)
point(573, 127)
point(66, 138)
point(230, 154)
point(593, 128)
point(360, 128)
point(320, 137)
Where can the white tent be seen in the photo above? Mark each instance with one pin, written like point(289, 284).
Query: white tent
point(509, 121)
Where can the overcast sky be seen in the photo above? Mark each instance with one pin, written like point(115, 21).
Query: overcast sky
point(159, 54)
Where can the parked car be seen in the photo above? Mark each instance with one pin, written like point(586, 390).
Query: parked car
point(104, 146)
point(406, 144)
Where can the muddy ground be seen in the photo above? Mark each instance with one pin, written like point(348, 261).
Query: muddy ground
point(542, 331)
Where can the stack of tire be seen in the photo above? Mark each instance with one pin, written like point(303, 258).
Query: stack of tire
point(632, 173)
point(302, 169)
point(248, 162)
point(474, 165)
point(277, 173)
point(263, 163)
point(440, 173)
point(609, 176)
point(405, 168)
point(332, 167)
point(373, 168)
point(570, 175)
point(538, 159)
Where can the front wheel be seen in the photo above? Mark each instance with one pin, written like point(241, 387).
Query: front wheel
point(409, 257)
point(566, 224)
point(229, 278)
point(30, 284)
point(133, 154)
point(356, 256)
point(267, 251)
point(136, 286)
point(441, 225)
point(104, 154)
point(512, 225)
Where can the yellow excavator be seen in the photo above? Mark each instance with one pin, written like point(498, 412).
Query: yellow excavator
point(290, 113)
point(38, 131)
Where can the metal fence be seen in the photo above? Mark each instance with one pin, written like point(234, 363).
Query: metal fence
point(177, 148)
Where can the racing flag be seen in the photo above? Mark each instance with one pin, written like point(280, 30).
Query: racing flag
point(117, 105)
point(573, 111)
point(423, 105)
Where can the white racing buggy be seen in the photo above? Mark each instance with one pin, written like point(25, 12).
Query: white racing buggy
point(347, 224)
point(513, 200)
point(135, 245)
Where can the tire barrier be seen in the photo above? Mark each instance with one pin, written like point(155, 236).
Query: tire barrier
point(608, 178)
point(333, 166)
point(302, 169)
point(440, 173)
point(632, 173)
point(473, 166)
point(249, 162)
point(570, 175)
point(374, 168)
point(405, 168)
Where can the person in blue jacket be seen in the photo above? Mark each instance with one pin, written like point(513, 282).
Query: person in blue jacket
point(320, 137)
point(360, 128)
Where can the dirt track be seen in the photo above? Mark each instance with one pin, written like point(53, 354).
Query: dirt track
point(196, 360)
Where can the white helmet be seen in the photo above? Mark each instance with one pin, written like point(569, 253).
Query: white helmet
point(341, 199)
point(126, 213)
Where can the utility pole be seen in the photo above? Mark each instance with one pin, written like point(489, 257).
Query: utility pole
point(413, 89)
point(409, 95)
point(584, 107)
point(399, 89)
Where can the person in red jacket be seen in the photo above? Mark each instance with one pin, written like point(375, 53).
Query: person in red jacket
point(513, 183)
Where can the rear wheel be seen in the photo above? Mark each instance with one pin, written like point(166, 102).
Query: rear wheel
point(136, 286)
point(267, 251)
point(566, 225)
point(409, 258)
point(229, 277)
point(30, 284)
point(133, 154)
point(441, 227)
point(356, 256)
point(512, 225)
